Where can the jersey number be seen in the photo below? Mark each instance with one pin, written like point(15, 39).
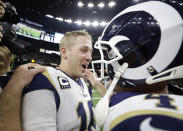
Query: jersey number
point(164, 101)
point(81, 112)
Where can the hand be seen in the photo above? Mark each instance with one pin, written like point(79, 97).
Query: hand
point(96, 84)
point(90, 77)
point(25, 73)
point(5, 59)
point(2, 11)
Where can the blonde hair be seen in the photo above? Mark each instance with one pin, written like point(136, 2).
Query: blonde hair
point(69, 37)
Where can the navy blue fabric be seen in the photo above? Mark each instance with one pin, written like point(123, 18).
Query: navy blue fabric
point(117, 98)
point(160, 122)
point(4, 79)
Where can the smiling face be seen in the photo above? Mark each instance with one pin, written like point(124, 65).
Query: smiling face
point(76, 58)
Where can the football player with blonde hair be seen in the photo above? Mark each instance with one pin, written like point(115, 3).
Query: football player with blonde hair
point(58, 99)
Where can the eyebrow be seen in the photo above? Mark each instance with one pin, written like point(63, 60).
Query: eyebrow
point(91, 49)
point(86, 47)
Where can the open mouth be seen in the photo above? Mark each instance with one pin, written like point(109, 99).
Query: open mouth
point(84, 66)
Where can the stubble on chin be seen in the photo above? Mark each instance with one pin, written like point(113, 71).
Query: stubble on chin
point(82, 74)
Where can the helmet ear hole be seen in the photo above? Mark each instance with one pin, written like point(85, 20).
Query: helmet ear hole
point(129, 59)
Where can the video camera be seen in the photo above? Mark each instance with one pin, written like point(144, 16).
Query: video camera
point(17, 46)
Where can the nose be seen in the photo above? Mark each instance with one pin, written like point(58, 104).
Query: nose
point(89, 56)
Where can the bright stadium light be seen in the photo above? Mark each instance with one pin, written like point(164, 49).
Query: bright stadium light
point(90, 5)
point(50, 16)
point(80, 4)
point(101, 5)
point(95, 23)
point(60, 18)
point(78, 22)
point(103, 23)
point(68, 20)
point(87, 23)
point(111, 4)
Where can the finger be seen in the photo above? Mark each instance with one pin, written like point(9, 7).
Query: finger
point(2, 4)
point(35, 67)
point(32, 64)
point(32, 67)
point(5, 53)
point(3, 58)
point(1, 28)
point(1, 36)
point(2, 11)
point(39, 69)
point(88, 73)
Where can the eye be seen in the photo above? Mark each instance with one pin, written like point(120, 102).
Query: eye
point(84, 50)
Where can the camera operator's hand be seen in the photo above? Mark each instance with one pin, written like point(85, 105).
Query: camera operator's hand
point(5, 59)
point(2, 11)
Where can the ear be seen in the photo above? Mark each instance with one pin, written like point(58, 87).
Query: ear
point(63, 53)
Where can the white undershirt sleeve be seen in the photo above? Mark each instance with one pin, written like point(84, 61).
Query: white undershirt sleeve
point(39, 111)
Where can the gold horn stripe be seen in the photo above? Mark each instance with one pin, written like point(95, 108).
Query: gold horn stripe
point(125, 116)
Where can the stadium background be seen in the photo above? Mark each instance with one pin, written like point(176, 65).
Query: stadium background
point(44, 22)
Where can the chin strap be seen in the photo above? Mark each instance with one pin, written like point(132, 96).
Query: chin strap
point(174, 73)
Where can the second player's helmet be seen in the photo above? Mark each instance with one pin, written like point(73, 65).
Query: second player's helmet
point(149, 37)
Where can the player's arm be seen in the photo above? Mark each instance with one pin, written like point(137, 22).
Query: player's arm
point(10, 98)
point(39, 111)
point(38, 106)
point(96, 84)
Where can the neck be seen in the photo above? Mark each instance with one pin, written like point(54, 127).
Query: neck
point(158, 88)
point(67, 71)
